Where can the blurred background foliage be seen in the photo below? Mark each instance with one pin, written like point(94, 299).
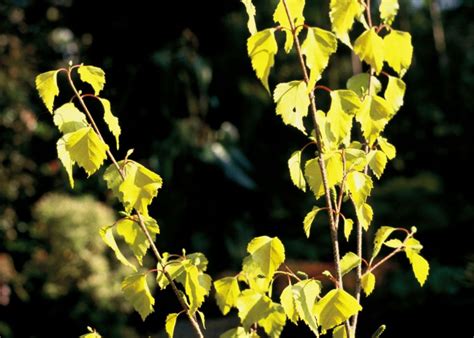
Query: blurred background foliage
point(180, 81)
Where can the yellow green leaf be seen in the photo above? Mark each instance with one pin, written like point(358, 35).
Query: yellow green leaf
point(252, 275)
point(368, 283)
point(413, 245)
point(93, 76)
point(250, 8)
point(308, 220)
point(91, 334)
point(111, 120)
point(349, 262)
point(238, 332)
point(344, 104)
point(261, 48)
point(196, 285)
point(268, 253)
point(274, 321)
point(253, 306)
point(280, 16)
point(348, 225)
point(377, 162)
point(86, 149)
point(288, 302)
point(369, 46)
point(69, 119)
point(364, 215)
point(342, 14)
point(380, 237)
point(373, 116)
point(47, 87)
point(336, 307)
point(139, 187)
point(359, 84)
point(420, 266)
point(387, 148)
point(339, 332)
point(136, 291)
point(394, 243)
point(133, 235)
point(356, 159)
point(317, 48)
point(398, 50)
point(305, 294)
point(65, 159)
point(388, 10)
point(107, 235)
point(395, 92)
point(292, 103)
point(296, 174)
point(175, 270)
point(227, 291)
point(360, 186)
point(170, 324)
point(313, 176)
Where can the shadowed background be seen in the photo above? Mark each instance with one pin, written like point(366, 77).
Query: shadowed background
point(181, 83)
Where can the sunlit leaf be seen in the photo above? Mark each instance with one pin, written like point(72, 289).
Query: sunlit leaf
point(253, 306)
point(394, 243)
point(136, 291)
point(349, 262)
point(398, 50)
point(296, 174)
point(175, 270)
point(395, 92)
point(227, 291)
point(313, 176)
point(373, 115)
point(292, 103)
point(336, 307)
point(364, 215)
point(86, 149)
point(359, 84)
point(238, 332)
point(380, 237)
point(111, 120)
point(268, 253)
point(377, 162)
point(139, 187)
point(250, 8)
point(274, 321)
point(93, 76)
point(280, 16)
point(348, 225)
point(305, 294)
point(91, 334)
point(369, 46)
point(287, 300)
point(197, 285)
point(387, 147)
point(308, 220)
point(368, 283)
point(379, 331)
point(107, 235)
point(132, 233)
point(65, 159)
point(339, 332)
point(359, 185)
point(47, 86)
point(344, 104)
point(170, 324)
point(420, 266)
point(342, 14)
point(69, 119)
point(317, 48)
point(388, 10)
point(253, 276)
point(261, 48)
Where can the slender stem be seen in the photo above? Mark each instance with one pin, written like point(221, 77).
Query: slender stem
point(369, 15)
point(323, 88)
point(390, 255)
point(319, 142)
point(192, 318)
point(343, 183)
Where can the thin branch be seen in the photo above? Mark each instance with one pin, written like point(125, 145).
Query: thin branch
point(192, 318)
point(333, 226)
